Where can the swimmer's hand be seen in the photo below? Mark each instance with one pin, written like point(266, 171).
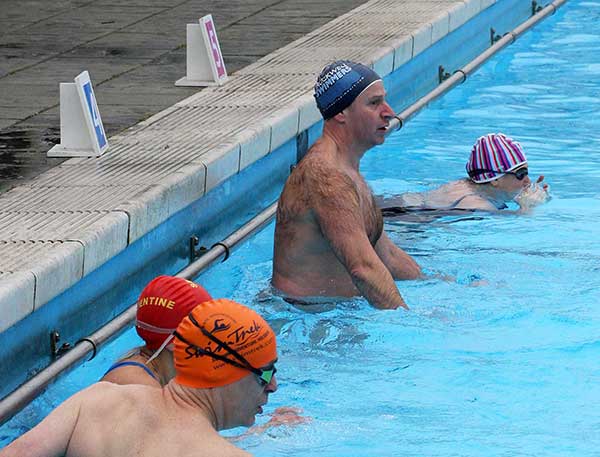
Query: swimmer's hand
point(533, 195)
point(285, 415)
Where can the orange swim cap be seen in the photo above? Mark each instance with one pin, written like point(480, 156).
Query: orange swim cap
point(163, 303)
point(239, 327)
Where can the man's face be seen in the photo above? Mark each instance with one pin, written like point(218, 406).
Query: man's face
point(369, 115)
point(246, 398)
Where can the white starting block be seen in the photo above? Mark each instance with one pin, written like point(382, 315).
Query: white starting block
point(81, 130)
point(205, 66)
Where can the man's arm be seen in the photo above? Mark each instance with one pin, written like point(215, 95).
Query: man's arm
point(398, 262)
point(335, 203)
point(50, 438)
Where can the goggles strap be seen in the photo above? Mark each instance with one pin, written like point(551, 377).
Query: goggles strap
point(160, 349)
point(222, 358)
point(220, 343)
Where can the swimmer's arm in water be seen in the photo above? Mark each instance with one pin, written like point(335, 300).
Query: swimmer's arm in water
point(51, 437)
point(335, 205)
point(398, 262)
point(285, 415)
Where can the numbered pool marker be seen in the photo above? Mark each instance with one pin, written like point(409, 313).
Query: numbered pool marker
point(81, 131)
point(205, 65)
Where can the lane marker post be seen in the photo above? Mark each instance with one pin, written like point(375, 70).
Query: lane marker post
point(205, 65)
point(81, 131)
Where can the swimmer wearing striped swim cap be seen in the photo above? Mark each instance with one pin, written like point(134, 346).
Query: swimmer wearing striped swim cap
point(498, 173)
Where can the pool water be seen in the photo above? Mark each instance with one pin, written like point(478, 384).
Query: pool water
point(502, 360)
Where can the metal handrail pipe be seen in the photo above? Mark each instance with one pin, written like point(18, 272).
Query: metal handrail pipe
point(20, 397)
point(219, 249)
point(460, 76)
point(27, 392)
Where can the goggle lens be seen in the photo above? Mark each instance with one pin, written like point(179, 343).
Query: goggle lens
point(521, 173)
point(267, 375)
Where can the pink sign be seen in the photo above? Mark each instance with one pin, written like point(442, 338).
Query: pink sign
point(214, 45)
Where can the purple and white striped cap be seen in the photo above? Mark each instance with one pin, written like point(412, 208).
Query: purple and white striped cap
point(492, 155)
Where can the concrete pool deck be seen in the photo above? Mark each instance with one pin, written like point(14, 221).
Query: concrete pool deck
point(72, 219)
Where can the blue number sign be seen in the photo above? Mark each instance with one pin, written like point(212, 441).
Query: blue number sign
point(93, 120)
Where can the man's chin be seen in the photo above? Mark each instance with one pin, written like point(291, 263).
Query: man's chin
point(250, 421)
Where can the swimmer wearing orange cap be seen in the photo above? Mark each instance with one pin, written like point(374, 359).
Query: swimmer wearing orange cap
point(225, 356)
point(224, 344)
point(163, 303)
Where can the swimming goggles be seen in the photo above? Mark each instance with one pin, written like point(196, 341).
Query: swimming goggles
point(519, 174)
point(265, 375)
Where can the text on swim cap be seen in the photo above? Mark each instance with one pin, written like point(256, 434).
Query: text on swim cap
point(241, 336)
point(156, 301)
point(331, 77)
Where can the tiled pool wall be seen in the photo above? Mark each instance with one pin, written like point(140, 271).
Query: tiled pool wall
point(410, 70)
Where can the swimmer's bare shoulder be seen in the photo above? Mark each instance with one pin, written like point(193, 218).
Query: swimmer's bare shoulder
point(65, 427)
point(318, 184)
point(475, 202)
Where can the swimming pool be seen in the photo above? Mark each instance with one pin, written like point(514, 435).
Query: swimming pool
point(506, 368)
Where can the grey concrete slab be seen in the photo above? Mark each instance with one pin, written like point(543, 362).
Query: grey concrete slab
point(93, 18)
point(36, 10)
point(7, 122)
point(126, 45)
point(239, 36)
point(51, 42)
point(138, 3)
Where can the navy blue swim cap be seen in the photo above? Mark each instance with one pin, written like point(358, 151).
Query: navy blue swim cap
point(339, 84)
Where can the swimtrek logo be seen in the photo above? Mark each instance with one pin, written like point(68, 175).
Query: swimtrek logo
point(156, 301)
point(330, 78)
point(238, 339)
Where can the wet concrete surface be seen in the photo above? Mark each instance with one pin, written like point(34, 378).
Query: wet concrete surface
point(134, 53)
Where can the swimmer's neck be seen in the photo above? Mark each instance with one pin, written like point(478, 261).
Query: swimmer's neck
point(199, 401)
point(163, 365)
point(490, 192)
point(344, 147)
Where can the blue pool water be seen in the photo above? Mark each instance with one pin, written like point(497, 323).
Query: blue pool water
point(501, 362)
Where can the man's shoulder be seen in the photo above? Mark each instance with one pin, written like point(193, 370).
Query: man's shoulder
point(318, 162)
point(107, 394)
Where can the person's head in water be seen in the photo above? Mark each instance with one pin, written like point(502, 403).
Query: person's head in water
point(351, 99)
point(161, 306)
point(222, 344)
point(499, 161)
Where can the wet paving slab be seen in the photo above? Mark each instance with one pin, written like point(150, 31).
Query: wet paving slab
point(134, 53)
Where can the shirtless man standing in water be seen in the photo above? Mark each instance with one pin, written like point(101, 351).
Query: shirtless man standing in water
point(329, 238)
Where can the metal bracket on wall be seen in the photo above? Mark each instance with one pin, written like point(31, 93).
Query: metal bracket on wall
point(494, 36)
point(535, 8)
point(56, 350)
point(301, 145)
point(443, 75)
point(196, 253)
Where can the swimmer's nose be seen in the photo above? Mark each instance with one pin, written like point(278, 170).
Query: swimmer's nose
point(388, 113)
point(272, 386)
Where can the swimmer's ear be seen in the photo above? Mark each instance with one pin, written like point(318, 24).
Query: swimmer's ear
point(340, 117)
